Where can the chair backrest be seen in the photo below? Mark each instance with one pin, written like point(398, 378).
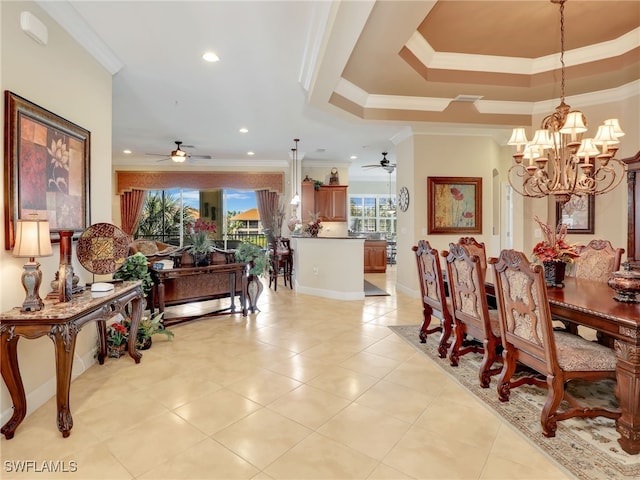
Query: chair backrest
point(525, 317)
point(282, 246)
point(597, 260)
point(430, 277)
point(475, 248)
point(465, 278)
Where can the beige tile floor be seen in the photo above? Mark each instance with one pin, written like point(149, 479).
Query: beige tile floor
point(306, 388)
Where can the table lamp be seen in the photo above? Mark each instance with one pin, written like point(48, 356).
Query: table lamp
point(32, 240)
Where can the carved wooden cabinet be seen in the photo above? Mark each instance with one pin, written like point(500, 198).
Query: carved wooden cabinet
point(331, 203)
point(375, 256)
point(633, 227)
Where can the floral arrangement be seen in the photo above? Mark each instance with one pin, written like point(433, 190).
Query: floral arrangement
point(201, 226)
point(313, 226)
point(117, 334)
point(554, 247)
point(200, 235)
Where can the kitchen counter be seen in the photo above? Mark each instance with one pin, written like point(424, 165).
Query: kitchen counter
point(331, 267)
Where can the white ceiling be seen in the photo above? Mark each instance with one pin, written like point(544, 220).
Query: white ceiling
point(281, 74)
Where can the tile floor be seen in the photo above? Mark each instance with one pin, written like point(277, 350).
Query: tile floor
point(308, 388)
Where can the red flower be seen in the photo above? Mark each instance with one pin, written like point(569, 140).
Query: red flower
point(457, 194)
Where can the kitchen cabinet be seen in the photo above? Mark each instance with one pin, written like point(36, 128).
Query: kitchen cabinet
point(331, 203)
point(375, 256)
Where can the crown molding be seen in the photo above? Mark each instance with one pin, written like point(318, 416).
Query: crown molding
point(74, 24)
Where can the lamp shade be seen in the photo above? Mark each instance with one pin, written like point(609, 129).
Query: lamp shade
point(32, 239)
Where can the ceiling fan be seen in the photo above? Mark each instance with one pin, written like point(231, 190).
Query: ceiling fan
point(179, 156)
point(384, 163)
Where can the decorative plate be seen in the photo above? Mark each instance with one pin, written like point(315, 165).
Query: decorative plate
point(102, 248)
point(403, 199)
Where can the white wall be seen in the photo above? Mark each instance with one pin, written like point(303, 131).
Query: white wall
point(63, 78)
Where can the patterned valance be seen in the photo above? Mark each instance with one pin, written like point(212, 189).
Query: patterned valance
point(154, 180)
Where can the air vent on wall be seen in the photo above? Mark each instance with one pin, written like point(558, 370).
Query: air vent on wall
point(467, 98)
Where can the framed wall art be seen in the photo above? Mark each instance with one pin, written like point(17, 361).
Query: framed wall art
point(577, 214)
point(46, 165)
point(455, 205)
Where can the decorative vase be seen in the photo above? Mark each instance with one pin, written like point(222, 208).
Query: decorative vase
point(144, 344)
point(116, 351)
point(202, 259)
point(254, 289)
point(554, 273)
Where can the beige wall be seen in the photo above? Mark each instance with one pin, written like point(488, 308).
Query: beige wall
point(63, 78)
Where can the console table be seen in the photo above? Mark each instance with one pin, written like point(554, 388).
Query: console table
point(176, 286)
point(62, 322)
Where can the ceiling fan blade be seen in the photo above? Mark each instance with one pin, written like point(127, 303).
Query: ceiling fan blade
point(157, 154)
point(372, 166)
point(163, 159)
point(201, 157)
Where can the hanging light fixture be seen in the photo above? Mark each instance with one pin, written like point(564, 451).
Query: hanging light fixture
point(294, 157)
point(392, 207)
point(558, 161)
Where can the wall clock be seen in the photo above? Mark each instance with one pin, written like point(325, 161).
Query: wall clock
point(403, 199)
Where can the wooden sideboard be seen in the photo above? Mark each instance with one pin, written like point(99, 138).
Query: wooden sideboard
point(176, 286)
point(633, 205)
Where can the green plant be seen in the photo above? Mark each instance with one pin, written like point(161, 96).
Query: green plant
point(136, 267)
point(200, 243)
point(148, 327)
point(248, 252)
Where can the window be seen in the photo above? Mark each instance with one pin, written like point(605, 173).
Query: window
point(371, 213)
point(166, 214)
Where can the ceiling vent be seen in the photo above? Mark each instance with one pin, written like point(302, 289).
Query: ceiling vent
point(467, 98)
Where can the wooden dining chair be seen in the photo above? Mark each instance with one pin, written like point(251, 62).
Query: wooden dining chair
point(597, 261)
point(471, 314)
point(528, 338)
point(434, 299)
point(475, 248)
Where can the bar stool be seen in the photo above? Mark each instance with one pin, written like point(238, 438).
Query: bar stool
point(281, 262)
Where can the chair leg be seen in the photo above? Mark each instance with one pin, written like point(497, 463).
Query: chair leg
point(459, 332)
point(508, 369)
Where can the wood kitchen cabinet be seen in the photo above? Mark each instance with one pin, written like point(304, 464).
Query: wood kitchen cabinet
point(331, 203)
point(375, 256)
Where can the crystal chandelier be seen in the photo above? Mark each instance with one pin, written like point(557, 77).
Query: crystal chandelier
point(558, 161)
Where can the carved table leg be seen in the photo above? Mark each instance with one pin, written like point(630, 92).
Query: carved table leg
point(11, 376)
point(101, 326)
point(64, 339)
point(136, 312)
point(232, 291)
point(628, 386)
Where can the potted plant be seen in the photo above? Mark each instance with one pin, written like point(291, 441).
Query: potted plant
point(117, 338)
point(257, 260)
point(136, 267)
point(201, 241)
point(148, 327)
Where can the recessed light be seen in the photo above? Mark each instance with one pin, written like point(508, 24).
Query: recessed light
point(243, 130)
point(250, 153)
point(127, 151)
point(353, 157)
point(210, 57)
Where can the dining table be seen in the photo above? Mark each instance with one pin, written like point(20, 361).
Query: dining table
point(592, 304)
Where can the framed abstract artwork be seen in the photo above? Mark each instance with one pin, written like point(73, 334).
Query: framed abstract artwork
point(455, 205)
point(578, 214)
point(46, 165)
